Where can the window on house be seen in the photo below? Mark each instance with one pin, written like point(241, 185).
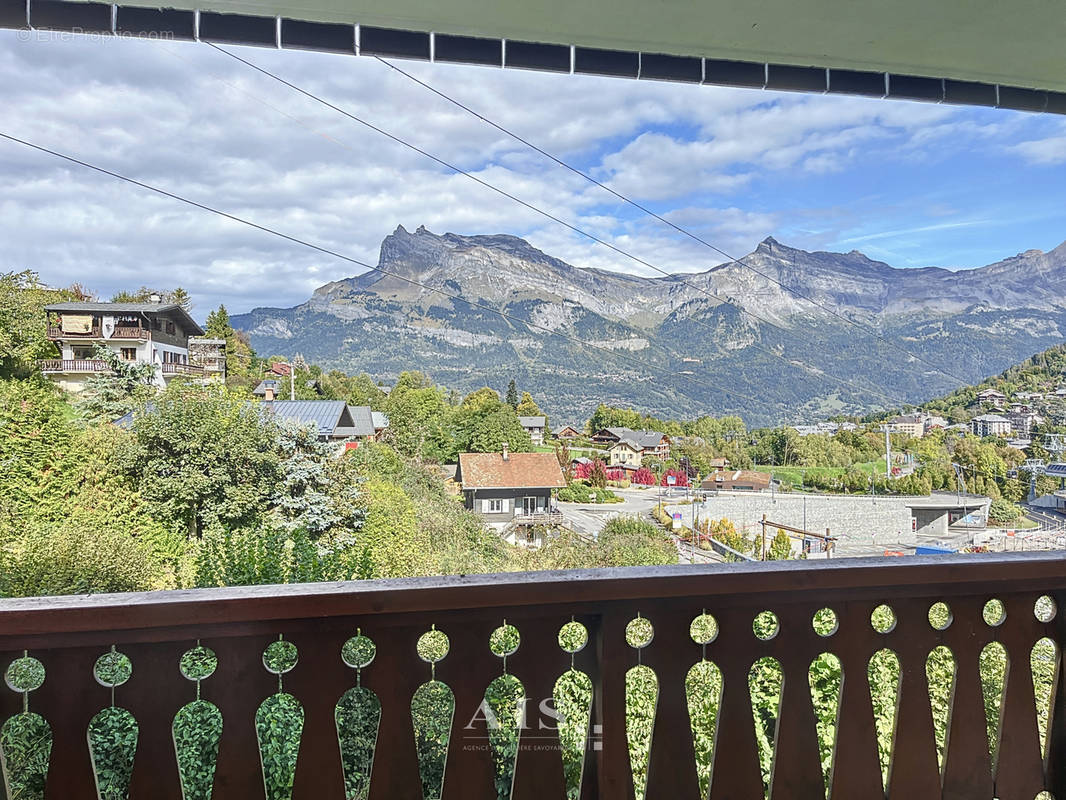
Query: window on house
point(495, 506)
point(129, 353)
point(170, 327)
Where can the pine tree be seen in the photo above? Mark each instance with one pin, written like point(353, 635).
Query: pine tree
point(512, 394)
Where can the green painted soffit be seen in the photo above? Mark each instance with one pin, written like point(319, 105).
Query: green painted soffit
point(1011, 42)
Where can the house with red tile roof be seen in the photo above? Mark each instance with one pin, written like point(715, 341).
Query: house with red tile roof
point(510, 487)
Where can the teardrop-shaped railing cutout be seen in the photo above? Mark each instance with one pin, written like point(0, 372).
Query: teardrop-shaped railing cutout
point(573, 703)
point(993, 668)
point(642, 696)
point(358, 717)
point(113, 732)
point(279, 725)
point(113, 737)
point(766, 683)
point(25, 750)
point(703, 692)
point(432, 709)
point(940, 676)
point(1044, 660)
point(505, 702)
point(26, 738)
point(826, 677)
point(197, 728)
point(884, 680)
point(197, 732)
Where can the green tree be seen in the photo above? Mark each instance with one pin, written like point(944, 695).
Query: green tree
point(109, 395)
point(24, 322)
point(512, 394)
point(780, 548)
point(308, 495)
point(201, 456)
point(418, 420)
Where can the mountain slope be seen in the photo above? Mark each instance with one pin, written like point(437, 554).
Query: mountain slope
point(676, 345)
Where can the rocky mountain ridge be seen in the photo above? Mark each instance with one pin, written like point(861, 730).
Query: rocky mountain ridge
point(977, 320)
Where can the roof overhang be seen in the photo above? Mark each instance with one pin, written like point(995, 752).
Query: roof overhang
point(1004, 54)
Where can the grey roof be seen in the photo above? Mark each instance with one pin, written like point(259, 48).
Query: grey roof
point(639, 440)
point(133, 308)
point(532, 422)
point(331, 417)
point(261, 388)
point(990, 418)
point(362, 420)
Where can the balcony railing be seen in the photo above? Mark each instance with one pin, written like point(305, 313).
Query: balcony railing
point(56, 332)
point(540, 518)
point(182, 369)
point(129, 333)
point(73, 365)
point(864, 606)
point(122, 332)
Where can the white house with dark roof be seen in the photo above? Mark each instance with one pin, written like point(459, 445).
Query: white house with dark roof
point(139, 333)
point(534, 426)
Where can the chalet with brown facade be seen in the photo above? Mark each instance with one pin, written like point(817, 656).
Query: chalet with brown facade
point(566, 432)
point(140, 333)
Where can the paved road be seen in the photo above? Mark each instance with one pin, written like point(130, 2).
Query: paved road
point(589, 518)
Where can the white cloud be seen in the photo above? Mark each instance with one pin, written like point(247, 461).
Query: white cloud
point(193, 121)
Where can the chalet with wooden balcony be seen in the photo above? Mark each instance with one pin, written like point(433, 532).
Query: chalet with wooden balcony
point(142, 333)
point(511, 488)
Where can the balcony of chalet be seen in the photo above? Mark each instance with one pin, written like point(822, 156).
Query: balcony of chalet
point(362, 639)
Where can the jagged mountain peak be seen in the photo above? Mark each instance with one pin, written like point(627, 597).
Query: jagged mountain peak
point(720, 326)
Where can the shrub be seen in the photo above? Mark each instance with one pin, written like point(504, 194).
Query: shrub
point(1003, 511)
point(70, 558)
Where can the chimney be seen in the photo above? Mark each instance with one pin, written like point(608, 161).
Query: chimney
point(505, 453)
point(269, 390)
point(155, 299)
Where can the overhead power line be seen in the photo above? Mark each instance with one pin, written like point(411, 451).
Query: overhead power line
point(684, 231)
point(652, 369)
point(792, 363)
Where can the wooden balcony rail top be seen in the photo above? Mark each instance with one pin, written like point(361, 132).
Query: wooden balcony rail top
point(68, 634)
point(120, 332)
point(172, 368)
point(73, 365)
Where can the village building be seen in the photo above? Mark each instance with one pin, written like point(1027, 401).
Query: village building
point(741, 480)
point(625, 454)
point(1023, 421)
point(138, 333)
point(990, 425)
point(912, 425)
point(511, 488)
point(992, 396)
point(534, 426)
point(209, 355)
point(647, 443)
point(933, 423)
point(566, 432)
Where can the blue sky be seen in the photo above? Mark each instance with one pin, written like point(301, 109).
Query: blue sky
point(910, 184)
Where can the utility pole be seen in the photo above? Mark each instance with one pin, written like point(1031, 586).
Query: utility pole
point(888, 454)
point(292, 381)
